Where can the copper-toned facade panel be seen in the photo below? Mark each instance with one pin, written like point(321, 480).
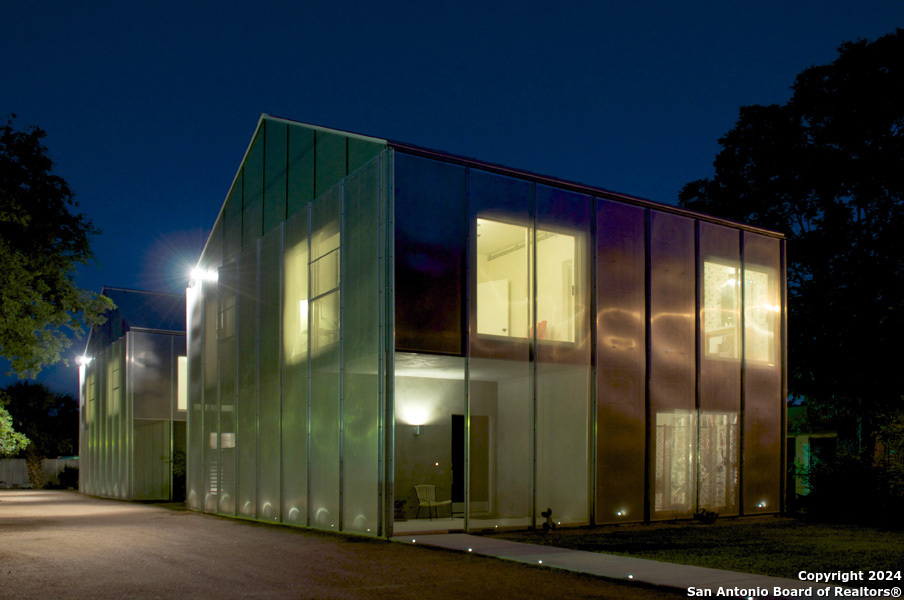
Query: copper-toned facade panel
point(762, 404)
point(719, 375)
point(562, 338)
point(672, 366)
point(620, 362)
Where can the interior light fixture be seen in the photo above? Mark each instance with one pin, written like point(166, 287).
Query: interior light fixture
point(417, 430)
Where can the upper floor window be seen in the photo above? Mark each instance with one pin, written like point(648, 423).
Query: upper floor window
point(504, 282)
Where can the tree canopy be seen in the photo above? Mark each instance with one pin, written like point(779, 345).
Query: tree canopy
point(50, 421)
point(11, 441)
point(827, 169)
point(41, 242)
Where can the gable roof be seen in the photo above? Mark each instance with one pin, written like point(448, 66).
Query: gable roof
point(136, 310)
point(148, 311)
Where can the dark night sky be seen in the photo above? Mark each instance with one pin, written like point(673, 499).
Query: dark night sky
point(149, 106)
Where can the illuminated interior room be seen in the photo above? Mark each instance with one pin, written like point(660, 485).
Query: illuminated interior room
point(133, 398)
point(393, 339)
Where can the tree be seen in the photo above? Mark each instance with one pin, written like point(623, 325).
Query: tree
point(827, 169)
point(41, 242)
point(11, 442)
point(50, 422)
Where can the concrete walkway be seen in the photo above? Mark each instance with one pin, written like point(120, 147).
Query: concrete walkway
point(638, 570)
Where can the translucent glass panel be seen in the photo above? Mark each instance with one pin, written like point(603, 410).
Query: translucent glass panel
point(246, 420)
point(562, 337)
point(362, 381)
point(331, 158)
point(194, 482)
point(672, 364)
point(430, 445)
point(207, 424)
point(296, 433)
point(136, 369)
point(295, 370)
point(275, 173)
point(762, 393)
point(430, 239)
point(114, 425)
point(232, 219)
point(719, 382)
point(360, 152)
point(152, 464)
point(268, 475)
point(151, 382)
point(301, 169)
point(325, 387)
point(223, 441)
point(152, 375)
point(621, 362)
point(253, 192)
point(213, 250)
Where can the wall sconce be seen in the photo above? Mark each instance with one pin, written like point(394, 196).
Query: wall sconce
point(417, 430)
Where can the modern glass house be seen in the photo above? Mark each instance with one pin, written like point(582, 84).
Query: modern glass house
point(133, 399)
point(384, 338)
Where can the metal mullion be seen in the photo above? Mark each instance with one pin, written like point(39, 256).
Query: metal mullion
point(342, 234)
point(533, 353)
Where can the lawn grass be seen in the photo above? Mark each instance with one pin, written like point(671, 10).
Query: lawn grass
point(780, 547)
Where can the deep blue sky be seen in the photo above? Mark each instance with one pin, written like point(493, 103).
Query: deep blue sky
point(149, 106)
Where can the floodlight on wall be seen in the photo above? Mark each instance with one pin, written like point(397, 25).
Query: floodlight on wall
point(621, 513)
point(83, 360)
point(198, 275)
point(762, 504)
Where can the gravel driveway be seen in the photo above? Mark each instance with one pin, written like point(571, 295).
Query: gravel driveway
point(56, 544)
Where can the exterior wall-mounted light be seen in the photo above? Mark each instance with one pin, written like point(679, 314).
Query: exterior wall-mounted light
point(198, 275)
point(83, 360)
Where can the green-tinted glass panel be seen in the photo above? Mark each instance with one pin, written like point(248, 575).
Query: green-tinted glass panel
point(253, 208)
point(246, 434)
point(275, 166)
point(209, 402)
point(227, 360)
point(301, 168)
point(361, 350)
point(361, 151)
point(268, 474)
point(331, 159)
point(295, 309)
point(232, 219)
point(213, 252)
